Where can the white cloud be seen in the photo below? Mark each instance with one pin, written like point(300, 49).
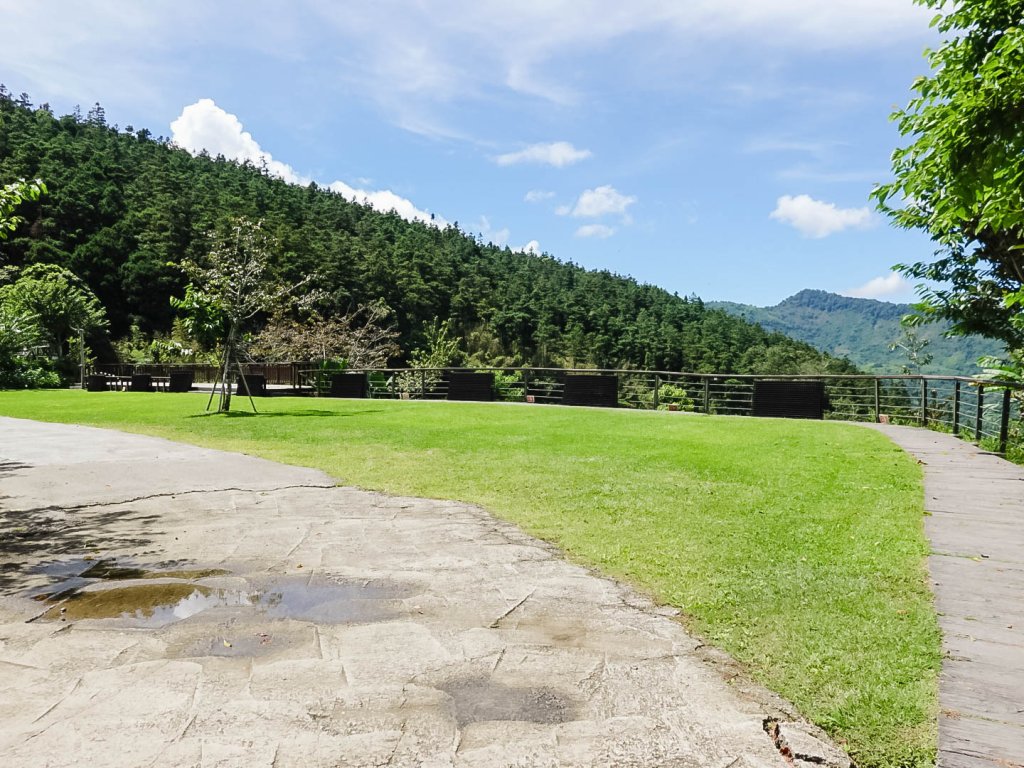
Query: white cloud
point(205, 126)
point(497, 237)
point(538, 196)
point(558, 153)
point(414, 60)
point(595, 230)
point(601, 201)
point(886, 285)
point(531, 247)
point(386, 200)
point(816, 218)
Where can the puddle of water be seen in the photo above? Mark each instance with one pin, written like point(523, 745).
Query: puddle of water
point(330, 602)
point(63, 568)
point(154, 605)
point(479, 699)
point(148, 605)
point(108, 570)
point(69, 576)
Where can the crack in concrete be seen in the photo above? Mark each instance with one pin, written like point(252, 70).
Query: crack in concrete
point(59, 701)
point(771, 727)
point(166, 495)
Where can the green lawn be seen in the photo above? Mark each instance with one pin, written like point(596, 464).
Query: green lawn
point(797, 547)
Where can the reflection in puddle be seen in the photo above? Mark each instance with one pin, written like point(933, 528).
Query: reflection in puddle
point(69, 576)
point(151, 605)
point(154, 605)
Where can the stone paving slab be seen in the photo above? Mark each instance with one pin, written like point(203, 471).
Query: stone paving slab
point(341, 627)
point(975, 506)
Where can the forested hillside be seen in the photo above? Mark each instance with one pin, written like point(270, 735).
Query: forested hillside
point(862, 330)
point(124, 207)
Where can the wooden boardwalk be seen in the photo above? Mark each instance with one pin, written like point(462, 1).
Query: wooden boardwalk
point(975, 505)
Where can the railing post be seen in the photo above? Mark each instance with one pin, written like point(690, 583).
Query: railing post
point(657, 386)
point(878, 408)
point(924, 402)
point(526, 384)
point(423, 384)
point(707, 395)
point(1004, 421)
point(979, 415)
point(956, 408)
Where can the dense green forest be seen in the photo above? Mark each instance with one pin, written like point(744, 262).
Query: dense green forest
point(863, 330)
point(124, 207)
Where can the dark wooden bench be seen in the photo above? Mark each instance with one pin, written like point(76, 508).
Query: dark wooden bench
point(591, 389)
point(477, 387)
point(789, 399)
point(348, 385)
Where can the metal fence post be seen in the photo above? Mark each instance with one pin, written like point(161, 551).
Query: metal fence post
point(423, 384)
point(956, 408)
point(978, 417)
point(657, 386)
point(707, 395)
point(1004, 421)
point(526, 384)
point(878, 409)
point(924, 402)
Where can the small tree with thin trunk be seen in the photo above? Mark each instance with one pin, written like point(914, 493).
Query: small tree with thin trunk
point(234, 281)
point(364, 338)
point(914, 348)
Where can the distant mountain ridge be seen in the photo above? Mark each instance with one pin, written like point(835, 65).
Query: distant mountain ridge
point(862, 330)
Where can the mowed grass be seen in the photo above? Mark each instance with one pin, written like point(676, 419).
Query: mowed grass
point(797, 547)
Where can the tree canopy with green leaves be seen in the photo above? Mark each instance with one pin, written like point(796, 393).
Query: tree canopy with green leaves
point(961, 179)
point(58, 300)
point(11, 196)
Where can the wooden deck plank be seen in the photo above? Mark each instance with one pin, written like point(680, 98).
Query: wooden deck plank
point(975, 502)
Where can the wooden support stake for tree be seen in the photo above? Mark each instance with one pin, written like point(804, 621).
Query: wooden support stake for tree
point(218, 383)
point(245, 384)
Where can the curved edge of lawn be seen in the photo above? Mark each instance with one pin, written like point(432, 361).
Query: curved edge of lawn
point(796, 547)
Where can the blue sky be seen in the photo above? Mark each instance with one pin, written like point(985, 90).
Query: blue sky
point(719, 147)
